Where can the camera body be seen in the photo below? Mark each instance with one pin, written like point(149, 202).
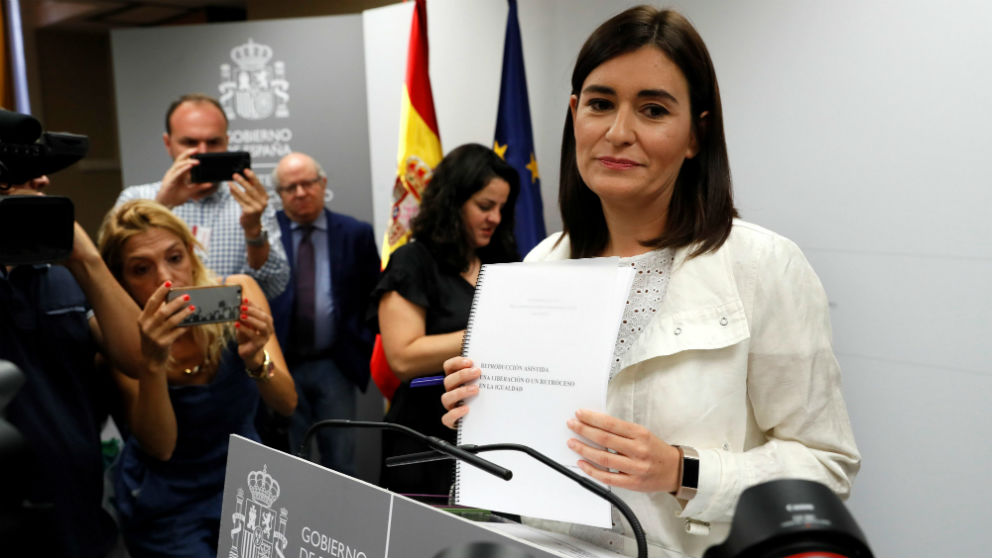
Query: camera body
point(786, 518)
point(26, 152)
point(34, 229)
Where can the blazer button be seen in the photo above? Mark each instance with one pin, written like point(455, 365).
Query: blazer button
point(723, 321)
point(677, 331)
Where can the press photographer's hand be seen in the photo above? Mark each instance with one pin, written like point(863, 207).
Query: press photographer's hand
point(253, 197)
point(177, 188)
point(33, 187)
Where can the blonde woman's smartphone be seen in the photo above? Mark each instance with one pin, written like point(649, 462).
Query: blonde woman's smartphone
point(220, 303)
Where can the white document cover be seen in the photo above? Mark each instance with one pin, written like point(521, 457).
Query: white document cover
point(543, 335)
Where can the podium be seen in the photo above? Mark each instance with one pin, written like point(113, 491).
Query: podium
point(278, 505)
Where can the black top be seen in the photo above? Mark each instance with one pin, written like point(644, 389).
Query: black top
point(172, 508)
point(446, 298)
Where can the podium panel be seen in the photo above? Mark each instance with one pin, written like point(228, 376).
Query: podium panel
point(419, 530)
point(278, 505)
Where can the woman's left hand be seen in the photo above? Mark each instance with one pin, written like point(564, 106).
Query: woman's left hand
point(253, 330)
point(642, 461)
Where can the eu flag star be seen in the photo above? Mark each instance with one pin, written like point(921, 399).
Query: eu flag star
point(501, 151)
point(532, 167)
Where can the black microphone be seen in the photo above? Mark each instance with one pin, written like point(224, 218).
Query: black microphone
point(588, 484)
point(439, 445)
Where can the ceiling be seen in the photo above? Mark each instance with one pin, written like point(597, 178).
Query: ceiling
point(103, 14)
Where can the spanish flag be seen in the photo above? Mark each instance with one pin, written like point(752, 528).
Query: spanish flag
point(419, 153)
point(420, 143)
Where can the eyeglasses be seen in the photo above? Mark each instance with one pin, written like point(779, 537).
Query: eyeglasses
point(307, 185)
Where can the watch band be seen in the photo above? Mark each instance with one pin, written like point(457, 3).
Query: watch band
point(264, 372)
point(261, 240)
point(688, 473)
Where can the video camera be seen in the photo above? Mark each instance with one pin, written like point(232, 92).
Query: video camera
point(34, 229)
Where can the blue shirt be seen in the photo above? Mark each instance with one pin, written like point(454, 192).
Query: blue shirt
point(323, 326)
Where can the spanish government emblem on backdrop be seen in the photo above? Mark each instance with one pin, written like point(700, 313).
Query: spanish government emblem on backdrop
point(254, 88)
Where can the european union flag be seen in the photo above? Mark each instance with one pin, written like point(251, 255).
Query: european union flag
point(515, 139)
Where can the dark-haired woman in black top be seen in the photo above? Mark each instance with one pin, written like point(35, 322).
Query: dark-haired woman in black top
point(424, 296)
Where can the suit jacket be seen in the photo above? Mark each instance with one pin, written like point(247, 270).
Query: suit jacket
point(354, 273)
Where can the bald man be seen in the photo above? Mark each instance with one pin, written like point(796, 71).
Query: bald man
point(320, 319)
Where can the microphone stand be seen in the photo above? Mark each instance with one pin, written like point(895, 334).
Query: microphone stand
point(442, 446)
point(635, 524)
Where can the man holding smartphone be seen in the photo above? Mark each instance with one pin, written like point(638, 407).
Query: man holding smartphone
point(232, 221)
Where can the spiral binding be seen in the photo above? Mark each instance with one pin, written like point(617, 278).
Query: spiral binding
point(465, 341)
point(471, 310)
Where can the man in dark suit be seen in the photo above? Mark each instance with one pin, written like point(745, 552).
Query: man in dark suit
point(320, 318)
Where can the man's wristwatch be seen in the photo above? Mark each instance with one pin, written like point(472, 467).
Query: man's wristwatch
point(688, 473)
point(261, 240)
point(264, 372)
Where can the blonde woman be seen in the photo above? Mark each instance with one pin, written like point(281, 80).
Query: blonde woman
point(201, 384)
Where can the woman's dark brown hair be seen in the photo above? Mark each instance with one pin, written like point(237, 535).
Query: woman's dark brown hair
point(702, 209)
point(463, 172)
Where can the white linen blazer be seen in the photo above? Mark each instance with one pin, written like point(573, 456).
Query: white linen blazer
point(738, 364)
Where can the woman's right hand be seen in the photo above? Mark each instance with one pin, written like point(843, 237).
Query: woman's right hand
point(158, 324)
point(458, 371)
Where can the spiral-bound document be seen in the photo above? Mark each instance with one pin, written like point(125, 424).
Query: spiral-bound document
point(543, 335)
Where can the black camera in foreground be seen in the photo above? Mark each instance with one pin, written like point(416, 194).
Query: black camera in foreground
point(791, 518)
point(34, 229)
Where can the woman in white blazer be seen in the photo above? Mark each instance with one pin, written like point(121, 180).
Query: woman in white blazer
point(723, 375)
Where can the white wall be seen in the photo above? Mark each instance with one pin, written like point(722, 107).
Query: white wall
point(860, 130)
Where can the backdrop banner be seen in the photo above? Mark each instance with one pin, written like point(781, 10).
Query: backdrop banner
point(286, 85)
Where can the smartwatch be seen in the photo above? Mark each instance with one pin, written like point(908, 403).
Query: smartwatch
point(688, 473)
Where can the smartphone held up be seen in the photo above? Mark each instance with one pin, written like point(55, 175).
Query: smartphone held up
point(218, 303)
point(218, 167)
